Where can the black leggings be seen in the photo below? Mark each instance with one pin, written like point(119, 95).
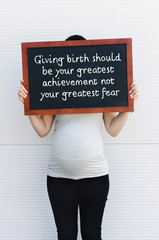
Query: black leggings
point(66, 194)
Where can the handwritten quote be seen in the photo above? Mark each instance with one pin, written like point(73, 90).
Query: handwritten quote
point(59, 76)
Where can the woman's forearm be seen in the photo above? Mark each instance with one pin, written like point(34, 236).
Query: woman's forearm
point(118, 123)
point(38, 124)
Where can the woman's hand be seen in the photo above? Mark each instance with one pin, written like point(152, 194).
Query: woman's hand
point(22, 92)
point(134, 92)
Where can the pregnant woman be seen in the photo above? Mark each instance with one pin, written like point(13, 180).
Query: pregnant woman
point(78, 174)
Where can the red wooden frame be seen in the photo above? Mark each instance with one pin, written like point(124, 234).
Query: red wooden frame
point(127, 41)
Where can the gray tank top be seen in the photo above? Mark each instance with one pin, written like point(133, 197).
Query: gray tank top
point(76, 150)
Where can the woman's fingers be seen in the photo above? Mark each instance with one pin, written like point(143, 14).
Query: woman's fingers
point(134, 93)
point(22, 87)
point(21, 81)
point(133, 83)
point(132, 89)
point(22, 95)
point(22, 92)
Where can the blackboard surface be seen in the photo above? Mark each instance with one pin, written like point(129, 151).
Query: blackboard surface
point(66, 77)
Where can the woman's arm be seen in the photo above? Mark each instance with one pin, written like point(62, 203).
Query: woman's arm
point(42, 124)
point(114, 123)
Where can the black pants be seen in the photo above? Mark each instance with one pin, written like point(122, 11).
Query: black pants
point(90, 194)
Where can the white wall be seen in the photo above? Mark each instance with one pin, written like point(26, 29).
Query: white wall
point(132, 210)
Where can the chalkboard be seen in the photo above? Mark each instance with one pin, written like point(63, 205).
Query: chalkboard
point(81, 76)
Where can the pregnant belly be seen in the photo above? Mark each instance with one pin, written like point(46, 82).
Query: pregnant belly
point(72, 166)
point(76, 146)
point(73, 150)
point(77, 166)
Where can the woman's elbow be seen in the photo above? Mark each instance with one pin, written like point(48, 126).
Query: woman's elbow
point(114, 134)
point(42, 135)
point(111, 133)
